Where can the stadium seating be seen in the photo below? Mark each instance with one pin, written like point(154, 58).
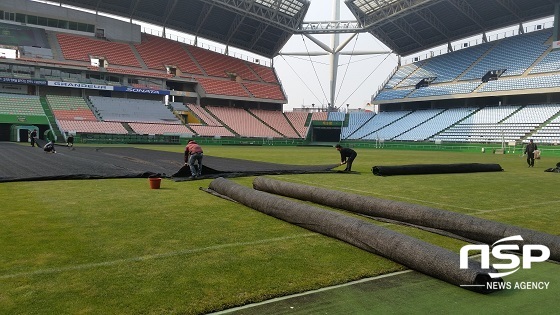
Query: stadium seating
point(78, 126)
point(438, 123)
point(298, 120)
point(70, 108)
point(222, 87)
point(21, 105)
point(521, 83)
point(267, 74)
point(276, 120)
point(133, 110)
point(218, 65)
point(75, 47)
point(515, 54)
point(242, 122)
point(404, 124)
point(203, 115)
point(355, 121)
point(266, 91)
point(211, 131)
point(377, 122)
point(157, 52)
point(159, 129)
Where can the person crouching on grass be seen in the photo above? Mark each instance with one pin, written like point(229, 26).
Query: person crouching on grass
point(49, 147)
point(347, 156)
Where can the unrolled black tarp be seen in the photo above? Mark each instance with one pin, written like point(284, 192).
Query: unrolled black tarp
point(467, 226)
point(406, 250)
point(417, 169)
point(25, 163)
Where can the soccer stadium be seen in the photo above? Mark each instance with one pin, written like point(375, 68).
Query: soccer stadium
point(446, 208)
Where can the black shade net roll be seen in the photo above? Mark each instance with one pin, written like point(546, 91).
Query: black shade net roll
point(470, 227)
point(417, 169)
point(408, 251)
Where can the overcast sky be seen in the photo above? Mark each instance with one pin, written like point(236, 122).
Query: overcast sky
point(306, 80)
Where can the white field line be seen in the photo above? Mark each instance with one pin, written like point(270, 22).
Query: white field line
point(148, 257)
point(311, 292)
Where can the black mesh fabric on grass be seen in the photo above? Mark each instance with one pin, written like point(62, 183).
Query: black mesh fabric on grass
point(25, 163)
point(470, 227)
point(408, 251)
point(417, 169)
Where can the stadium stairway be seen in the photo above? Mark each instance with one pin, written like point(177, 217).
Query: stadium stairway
point(291, 125)
point(138, 57)
point(220, 121)
point(55, 47)
point(468, 69)
point(128, 128)
point(538, 60)
point(264, 123)
point(52, 121)
point(539, 127)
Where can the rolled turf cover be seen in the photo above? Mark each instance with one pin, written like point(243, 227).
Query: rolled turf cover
point(417, 169)
point(470, 227)
point(403, 249)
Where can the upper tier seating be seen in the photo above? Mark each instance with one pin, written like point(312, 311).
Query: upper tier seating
point(445, 68)
point(75, 47)
point(242, 122)
point(522, 83)
point(266, 91)
point(515, 54)
point(21, 105)
point(550, 63)
point(222, 87)
point(70, 108)
point(266, 73)
point(445, 89)
point(276, 120)
point(218, 65)
point(133, 110)
point(392, 94)
point(401, 74)
point(158, 52)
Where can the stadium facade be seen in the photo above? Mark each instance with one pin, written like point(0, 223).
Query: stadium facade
point(66, 71)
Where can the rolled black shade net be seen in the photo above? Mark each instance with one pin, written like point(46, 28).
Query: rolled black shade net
point(469, 227)
point(417, 169)
point(406, 250)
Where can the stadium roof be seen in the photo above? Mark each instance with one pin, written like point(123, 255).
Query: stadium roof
point(259, 26)
point(410, 26)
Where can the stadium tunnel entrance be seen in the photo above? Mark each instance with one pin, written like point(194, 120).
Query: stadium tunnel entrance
point(326, 131)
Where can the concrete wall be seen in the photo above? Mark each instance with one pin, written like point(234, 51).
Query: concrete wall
point(114, 29)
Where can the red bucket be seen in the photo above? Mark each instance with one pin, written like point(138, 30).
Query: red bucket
point(155, 183)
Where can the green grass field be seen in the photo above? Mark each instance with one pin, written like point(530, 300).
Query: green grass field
point(117, 247)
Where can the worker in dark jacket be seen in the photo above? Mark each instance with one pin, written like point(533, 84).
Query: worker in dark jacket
point(530, 151)
point(347, 156)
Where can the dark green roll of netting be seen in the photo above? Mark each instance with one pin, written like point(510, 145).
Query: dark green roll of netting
point(470, 227)
point(403, 249)
point(418, 169)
